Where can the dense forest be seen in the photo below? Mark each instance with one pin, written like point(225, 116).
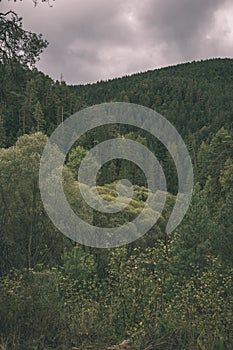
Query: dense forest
point(162, 291)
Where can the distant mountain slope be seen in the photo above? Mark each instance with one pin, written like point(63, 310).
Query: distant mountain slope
point(193, 95)
point(196, 97)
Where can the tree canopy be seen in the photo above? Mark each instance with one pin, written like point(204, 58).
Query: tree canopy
point(162, 291)
point(18, 44)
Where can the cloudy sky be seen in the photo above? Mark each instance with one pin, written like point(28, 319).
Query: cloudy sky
point(92, 40)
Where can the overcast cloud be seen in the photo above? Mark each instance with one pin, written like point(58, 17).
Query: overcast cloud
point(100, 39)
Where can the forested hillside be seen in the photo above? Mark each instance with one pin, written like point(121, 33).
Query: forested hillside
point(196, 97)
point(162, 291)
point(192, 95)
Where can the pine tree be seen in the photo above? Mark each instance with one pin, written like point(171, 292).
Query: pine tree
point(38, 116)
point(2, 133)
point(28, 106)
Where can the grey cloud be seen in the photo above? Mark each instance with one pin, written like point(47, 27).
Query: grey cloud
point(181, 24)
point(93, 40)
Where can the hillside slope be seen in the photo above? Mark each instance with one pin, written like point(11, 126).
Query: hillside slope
point(191, 95)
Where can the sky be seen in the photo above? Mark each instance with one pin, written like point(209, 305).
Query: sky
point(95, 40)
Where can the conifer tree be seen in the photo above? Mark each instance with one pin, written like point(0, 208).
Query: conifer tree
point(38, 116)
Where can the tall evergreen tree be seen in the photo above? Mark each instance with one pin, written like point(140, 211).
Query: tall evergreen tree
point(38, 116)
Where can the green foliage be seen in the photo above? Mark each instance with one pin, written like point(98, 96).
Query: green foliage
point(30, 301)
point(161, 291)
point(138, 299)
point(38, 116)
point(76, 155)
point(193, 96)
point(27, 235)
point(195, 240)
point(22, 92)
